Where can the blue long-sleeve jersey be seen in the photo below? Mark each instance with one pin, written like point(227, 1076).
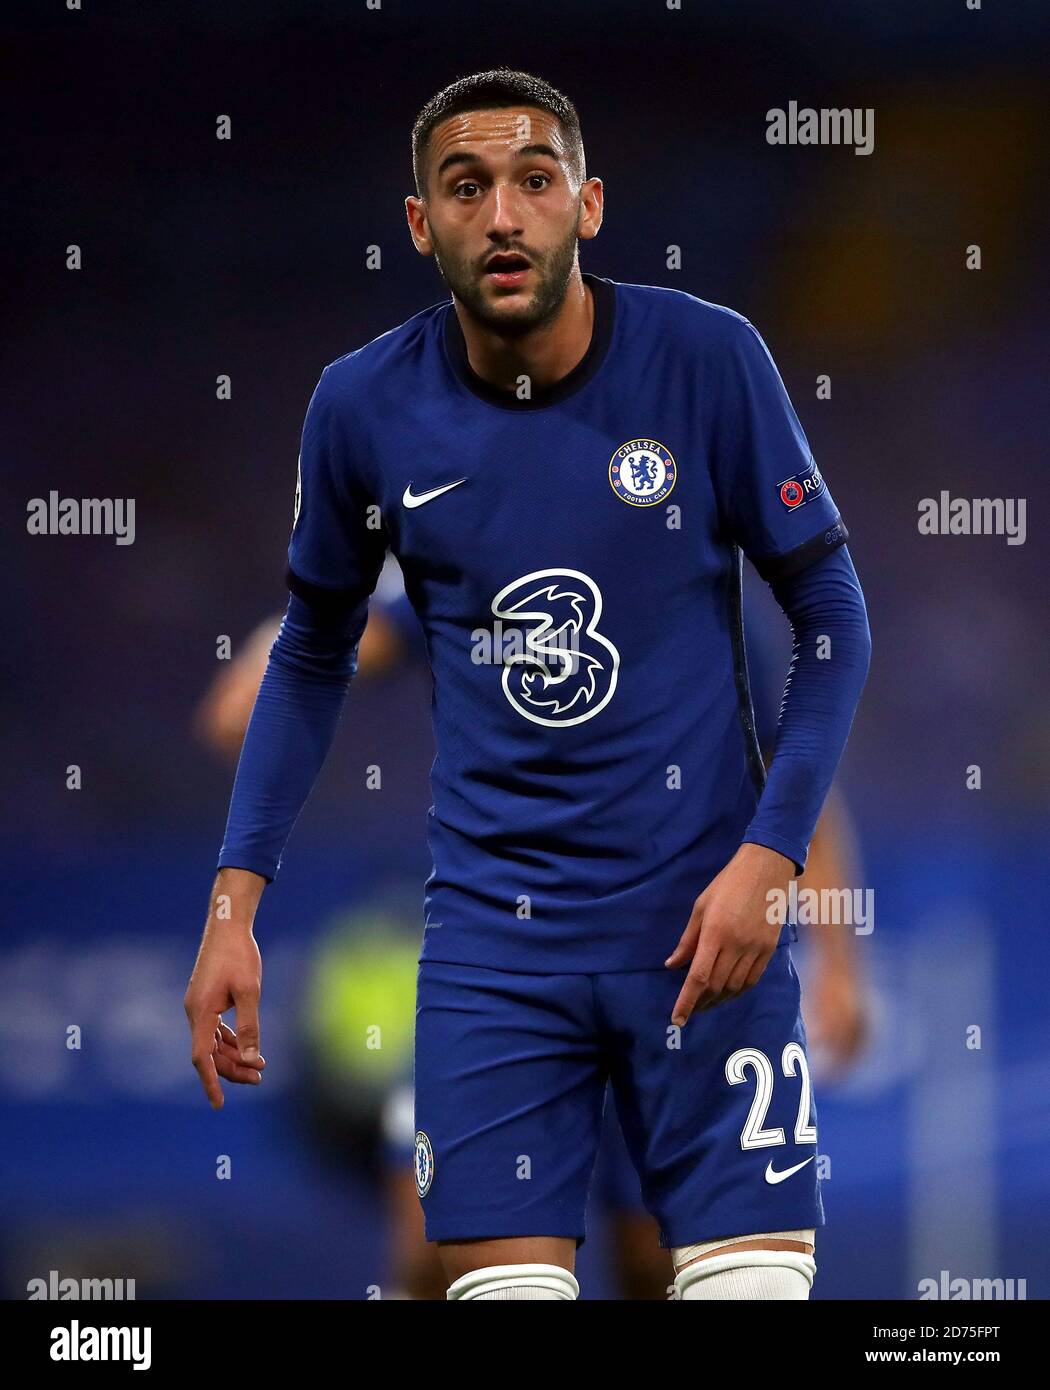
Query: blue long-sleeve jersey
point(574, 560)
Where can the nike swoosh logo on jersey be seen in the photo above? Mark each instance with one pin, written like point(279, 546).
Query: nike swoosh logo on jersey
point(411, 499)
point(772, 1176)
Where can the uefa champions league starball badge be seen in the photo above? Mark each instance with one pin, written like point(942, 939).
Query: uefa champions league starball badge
point(642, 472)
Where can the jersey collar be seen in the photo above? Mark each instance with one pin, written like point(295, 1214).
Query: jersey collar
point(604, 292)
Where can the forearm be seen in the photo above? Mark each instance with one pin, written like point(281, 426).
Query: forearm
point(832, 648)
point(291, 729)
point(235, 898)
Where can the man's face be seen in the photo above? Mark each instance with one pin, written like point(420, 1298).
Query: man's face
point(503, 212)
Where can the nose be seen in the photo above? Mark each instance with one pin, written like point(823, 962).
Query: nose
point(504, 214)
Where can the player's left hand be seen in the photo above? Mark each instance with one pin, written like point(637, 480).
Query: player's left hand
point(730, 938)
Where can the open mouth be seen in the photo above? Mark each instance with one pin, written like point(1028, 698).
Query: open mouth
point(507, 268)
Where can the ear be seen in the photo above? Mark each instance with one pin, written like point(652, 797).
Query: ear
point(418, 227)
point(592, 203)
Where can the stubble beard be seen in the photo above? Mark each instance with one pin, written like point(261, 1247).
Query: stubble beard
point(552, 269)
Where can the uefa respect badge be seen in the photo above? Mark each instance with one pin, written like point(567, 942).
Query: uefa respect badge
point(795, 492)
point(642, 472)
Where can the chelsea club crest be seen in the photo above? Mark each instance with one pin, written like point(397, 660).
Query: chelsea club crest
point(642, 472)
point(424, 1164)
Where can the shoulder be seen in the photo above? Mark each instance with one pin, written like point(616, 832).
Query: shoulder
point(723, 346)
point(679, 314)
point(357, 374)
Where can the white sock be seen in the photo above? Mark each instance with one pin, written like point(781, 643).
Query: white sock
point(749, 1275)
point(515, 1283)
point(519, 1293)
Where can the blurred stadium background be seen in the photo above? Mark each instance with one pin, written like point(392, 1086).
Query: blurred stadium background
point(247, 257)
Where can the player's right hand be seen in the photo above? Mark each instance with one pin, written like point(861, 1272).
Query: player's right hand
point(227, 975)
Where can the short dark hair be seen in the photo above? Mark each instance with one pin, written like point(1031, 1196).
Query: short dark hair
point(499, 87)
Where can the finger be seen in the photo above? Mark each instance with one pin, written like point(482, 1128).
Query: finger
point(232, 1054)
point(735, 983)
point(744, 977)
point(722, 969)
point(202, 1042)
point(686, 948)
point(247, 1006)
point(758, 968)
point(695, 986)
point(230, 1069)
point(228, 1044)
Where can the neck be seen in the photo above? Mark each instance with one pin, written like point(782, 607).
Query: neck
point(544, 354)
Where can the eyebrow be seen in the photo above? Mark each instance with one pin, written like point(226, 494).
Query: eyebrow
point(469, 157)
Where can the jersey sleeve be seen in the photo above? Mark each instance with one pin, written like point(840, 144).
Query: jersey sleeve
point(338, 543)
point(772, 497)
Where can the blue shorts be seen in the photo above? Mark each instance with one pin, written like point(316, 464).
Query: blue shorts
point(511, 1076)
point(615, 1190)
point(614, 1185)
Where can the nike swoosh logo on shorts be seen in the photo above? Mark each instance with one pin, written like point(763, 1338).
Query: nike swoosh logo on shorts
point(772, 1176)
point(411, 499)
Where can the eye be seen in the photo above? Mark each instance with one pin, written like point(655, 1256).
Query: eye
point(538, 181)
point(466, 189)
